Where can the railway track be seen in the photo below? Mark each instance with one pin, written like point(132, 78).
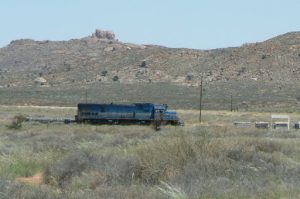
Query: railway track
point(47, 120)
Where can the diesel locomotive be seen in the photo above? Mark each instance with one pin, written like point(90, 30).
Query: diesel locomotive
point(138, 113)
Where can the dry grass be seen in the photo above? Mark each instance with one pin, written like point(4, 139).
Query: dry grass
point(210, 160)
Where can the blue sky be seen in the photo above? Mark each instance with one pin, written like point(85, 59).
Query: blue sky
point(200, 24)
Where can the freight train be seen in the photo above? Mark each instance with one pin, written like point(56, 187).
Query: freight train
point(138, 113)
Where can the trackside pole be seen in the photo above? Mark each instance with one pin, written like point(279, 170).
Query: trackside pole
point(200, 114)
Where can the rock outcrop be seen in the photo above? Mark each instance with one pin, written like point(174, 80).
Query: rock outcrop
point(40, 81)
point(104, 34)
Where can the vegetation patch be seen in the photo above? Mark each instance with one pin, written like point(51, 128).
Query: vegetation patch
point(20, 166)
point(17, 121)
point(209, 160)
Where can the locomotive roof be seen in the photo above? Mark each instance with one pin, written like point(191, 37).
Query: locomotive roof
point(156, 106)
point(106, 104)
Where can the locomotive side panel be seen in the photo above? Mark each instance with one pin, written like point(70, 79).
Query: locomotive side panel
point(118, 113)
point(115, 112)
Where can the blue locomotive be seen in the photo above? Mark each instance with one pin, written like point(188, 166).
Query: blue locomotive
point(138, 113)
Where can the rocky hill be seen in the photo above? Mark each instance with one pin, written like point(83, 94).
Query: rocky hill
point(270, 69)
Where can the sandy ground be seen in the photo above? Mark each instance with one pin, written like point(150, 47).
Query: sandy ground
point(34, 180)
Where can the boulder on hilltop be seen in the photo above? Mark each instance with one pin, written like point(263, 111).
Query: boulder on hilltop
point(104, 34)
point(40, 81)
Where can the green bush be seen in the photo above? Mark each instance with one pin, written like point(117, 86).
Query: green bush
point(17, 121)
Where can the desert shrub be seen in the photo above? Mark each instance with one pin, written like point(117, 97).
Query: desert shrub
point(117, 140)
point(217, 172)
point(9, 189)
point(267, 146)
point(116, 170)
point(189, 77)
point(204, 166)
point(118, 191)
point(115, 78)
point(51, 142)
point(143, 64)
point(62, 141)
point(140, 135)
point(17, 121)
point(197, 176)
point(241, 71)
point(104, 73)
point(165, 158)
point(107, 169)
point(24, 167)
point(16, 165)
point(171, 191)
point(87, 136)
point(61, 172)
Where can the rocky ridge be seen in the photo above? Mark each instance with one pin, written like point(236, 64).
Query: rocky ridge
point(259, 76)
point(102, 58)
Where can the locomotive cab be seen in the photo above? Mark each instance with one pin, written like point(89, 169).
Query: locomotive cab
point(159, 111)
